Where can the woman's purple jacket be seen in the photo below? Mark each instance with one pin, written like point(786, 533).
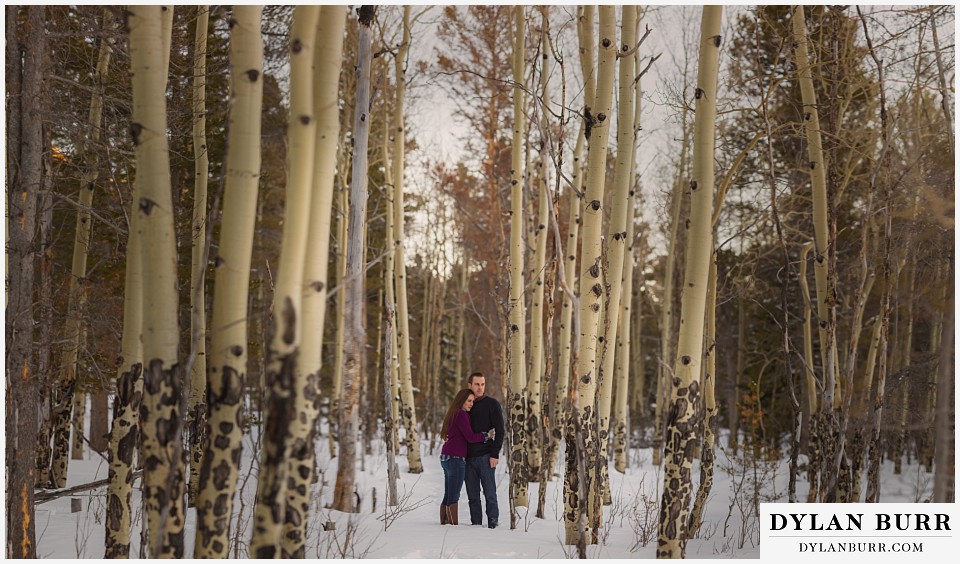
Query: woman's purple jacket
point(459, 434)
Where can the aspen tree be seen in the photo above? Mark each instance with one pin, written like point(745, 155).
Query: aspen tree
point(412, 437)
point(616, 244)
point(564, 365)
point(534, 408)
point(283, 354)
point(826, 313)
point(710, 407)
point(196, 407)
point(77, 296)
point(26, 157)
point(343, 494)
point(125, 430)
point(301, 471)
point(624, 338)
point(685, 391)
point(667, 304)
point(392, 387)
point(227, 364)
point(517, 308)
point(591, 288)
point(160, 409)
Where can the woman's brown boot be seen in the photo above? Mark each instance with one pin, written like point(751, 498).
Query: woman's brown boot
point(444, 516)
point(453, 515)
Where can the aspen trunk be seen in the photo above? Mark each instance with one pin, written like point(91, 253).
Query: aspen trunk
point(392, 386)
point(710, 408)
point(517, 308)
point(163, 469)
point(301, 467)
point(591, 280)
point(535, 407)
point(616, 246)
point(624, 390)
point(814, 455)
point(825, 282)
point(667, 312)
point(283, 354)
point(681, 420)
point(353, 284)
point(26, 157)
point(412, 438)
point(125, 430)
point(196, 406)
point(68, 395)
point(227, 365)
point(569, 265)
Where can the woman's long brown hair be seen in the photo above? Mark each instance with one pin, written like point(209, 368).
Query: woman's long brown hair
point(457, 405)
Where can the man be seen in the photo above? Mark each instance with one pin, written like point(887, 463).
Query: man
point(482, 458)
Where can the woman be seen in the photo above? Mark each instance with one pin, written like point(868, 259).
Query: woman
point(456, 433)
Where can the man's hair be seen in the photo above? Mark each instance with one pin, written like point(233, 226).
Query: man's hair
point(473, 375)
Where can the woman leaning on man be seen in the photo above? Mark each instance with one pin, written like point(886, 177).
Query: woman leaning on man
point(456, 433)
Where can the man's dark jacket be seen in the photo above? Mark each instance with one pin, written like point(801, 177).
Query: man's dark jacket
point(485, 415)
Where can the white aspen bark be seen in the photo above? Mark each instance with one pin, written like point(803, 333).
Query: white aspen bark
point(685, 392)
point(818, 178)
point(196, 406)
point(301, 466)
point(125, 430)
point(353, 284)
point(811, 381)
point(591, 280)
point(392, 393)
point(392, 419)
point(616, 243)
point(565, 364)
point(160, 410)
point(283, 354)
point(227, 364)
point(625, 345)
point(667, 303)
point(534, 410)
point(412, 437)
point(77, 296)
point(516, 305)
point(710, 407)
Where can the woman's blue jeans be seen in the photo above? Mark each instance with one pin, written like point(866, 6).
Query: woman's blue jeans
point(454, 470)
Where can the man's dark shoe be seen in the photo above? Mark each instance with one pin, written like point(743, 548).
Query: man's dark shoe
point(492, 524)
point(476, 523)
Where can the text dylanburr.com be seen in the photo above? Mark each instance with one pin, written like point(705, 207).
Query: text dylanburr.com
point(874, 532)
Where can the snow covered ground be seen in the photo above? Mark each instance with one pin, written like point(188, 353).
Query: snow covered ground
point(412, 530)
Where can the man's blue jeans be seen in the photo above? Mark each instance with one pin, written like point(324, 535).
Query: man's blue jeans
point(454, 468)
point(479, 474)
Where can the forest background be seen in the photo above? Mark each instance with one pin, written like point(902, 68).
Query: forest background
point(813, 373)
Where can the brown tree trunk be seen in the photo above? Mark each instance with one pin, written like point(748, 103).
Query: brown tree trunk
point(24, 162)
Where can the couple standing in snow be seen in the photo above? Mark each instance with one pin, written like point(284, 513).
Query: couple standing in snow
point(473, 434)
